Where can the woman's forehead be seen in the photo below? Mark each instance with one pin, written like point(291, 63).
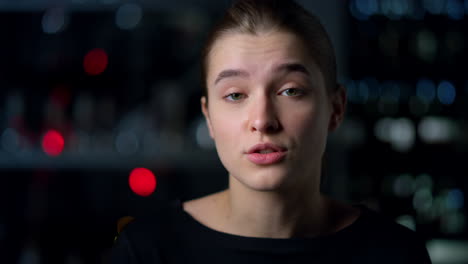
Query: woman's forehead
point(232, 46)
point(248, 54)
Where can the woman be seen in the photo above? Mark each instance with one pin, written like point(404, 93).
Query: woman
point(271, 99)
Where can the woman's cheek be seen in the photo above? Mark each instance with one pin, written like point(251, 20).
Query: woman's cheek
point(224, 126)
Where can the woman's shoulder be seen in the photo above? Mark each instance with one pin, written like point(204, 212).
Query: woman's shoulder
point(376, 235)
point(151, 225)
point(147, 237)
point(375, 223)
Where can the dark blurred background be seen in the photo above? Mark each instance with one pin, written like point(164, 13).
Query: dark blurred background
point(100, 98)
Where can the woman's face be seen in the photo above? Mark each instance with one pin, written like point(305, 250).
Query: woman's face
point(268, 111)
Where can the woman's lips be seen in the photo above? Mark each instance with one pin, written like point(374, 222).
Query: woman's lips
point(266, 153)
point(266, 158)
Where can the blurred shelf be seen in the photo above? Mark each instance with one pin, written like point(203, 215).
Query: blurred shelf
point(38, 160)
point(99, 5)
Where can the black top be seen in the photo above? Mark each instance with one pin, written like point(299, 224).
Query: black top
point(175, 237)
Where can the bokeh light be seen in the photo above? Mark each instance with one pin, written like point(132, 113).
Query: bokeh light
point(95, 61)
point(109, 2)
point(389, 99)
point(358, 10)
point(422, 200)
point(374, 87)
point(426, 90)
point(426, 45)
point(128, 16)
point(10, 140)
point(394, 9)
point(436, 130)
point(53, 143)
point(455, 199)
point(382, 129)
point(352, 92)
point(54, 20)
point(127, 142)
point(423, 180)
point(367, 7)
point(446, 93)
point(402, 134)
point(142, 181)
point(404, 185)
point(455, 9)
point(435, 7)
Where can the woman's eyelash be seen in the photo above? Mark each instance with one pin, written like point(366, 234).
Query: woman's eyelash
point(234, 96)
point(293, 91)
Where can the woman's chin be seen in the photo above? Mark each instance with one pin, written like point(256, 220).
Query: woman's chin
point(265, 181)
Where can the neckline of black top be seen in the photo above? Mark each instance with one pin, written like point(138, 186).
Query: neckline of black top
point(203, 234)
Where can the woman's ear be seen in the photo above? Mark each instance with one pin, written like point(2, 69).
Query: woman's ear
point(338, 107)
point(204, 108)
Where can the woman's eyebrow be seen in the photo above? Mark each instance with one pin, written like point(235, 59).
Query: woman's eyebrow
point(285, 67)
point(231, 73)
point(292, 67)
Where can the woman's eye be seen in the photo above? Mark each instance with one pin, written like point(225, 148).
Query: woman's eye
point(235, 96)
point(292, 92)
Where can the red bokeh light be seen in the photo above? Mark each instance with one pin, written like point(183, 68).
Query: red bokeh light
point(95, 61)
point(53, 143)
point(142, 181)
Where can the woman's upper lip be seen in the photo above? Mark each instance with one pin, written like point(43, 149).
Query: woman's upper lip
point(263, 146)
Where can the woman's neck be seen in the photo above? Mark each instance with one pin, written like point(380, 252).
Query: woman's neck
point(272, 214)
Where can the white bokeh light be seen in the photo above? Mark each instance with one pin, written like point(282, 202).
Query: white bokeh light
point(54, 20)
point(128, 16)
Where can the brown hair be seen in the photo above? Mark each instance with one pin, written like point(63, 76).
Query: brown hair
point(257, 16)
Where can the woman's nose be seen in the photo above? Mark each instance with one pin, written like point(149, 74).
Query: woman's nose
point(263, 117)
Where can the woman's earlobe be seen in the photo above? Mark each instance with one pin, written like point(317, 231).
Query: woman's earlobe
point(204, 108)
point(338, 108)
point(203, 104)
point(335, 122)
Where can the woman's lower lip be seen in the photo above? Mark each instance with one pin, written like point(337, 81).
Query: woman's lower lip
point(266, 158)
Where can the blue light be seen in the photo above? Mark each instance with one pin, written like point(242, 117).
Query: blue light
point(363, 91)
point(128, 16)
point(426, 90)
point(400, 7)
point(355, 11)
point(434, 7)
point(392, 9)
point(455, 199)
point(446, 93)
point(351, 91)
point(367, 7)
point(455, 9)
point(374, 87)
